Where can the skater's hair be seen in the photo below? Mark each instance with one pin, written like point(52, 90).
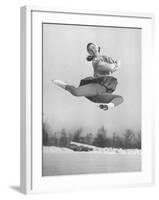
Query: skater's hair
point(90, 57)
point(88, 45)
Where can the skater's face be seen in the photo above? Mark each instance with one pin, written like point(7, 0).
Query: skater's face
point(93, 50)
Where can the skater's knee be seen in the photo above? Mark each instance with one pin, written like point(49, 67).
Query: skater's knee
point(119, 100)
point(75, 92)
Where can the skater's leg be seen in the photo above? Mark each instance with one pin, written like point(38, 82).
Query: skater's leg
point(95, 93)
point(91, 89)
point(111, 101)
point(98, 93)
point(88, 90)
point(107, 98)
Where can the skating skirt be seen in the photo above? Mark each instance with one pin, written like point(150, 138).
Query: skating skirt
point(109, 82)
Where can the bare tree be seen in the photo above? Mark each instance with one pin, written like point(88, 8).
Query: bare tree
point(100, 139)
point(45, 133)
point(139, 140)
point(129, 138)
point(63, 138)
point(77, 135)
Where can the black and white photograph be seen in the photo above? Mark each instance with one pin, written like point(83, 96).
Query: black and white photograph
point(91, 99)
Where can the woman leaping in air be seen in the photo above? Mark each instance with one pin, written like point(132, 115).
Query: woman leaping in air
point(100, 87)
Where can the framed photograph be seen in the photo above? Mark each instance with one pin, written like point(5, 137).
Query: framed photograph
point(86, 100)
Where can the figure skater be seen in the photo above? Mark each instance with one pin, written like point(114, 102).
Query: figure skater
point(100, 87)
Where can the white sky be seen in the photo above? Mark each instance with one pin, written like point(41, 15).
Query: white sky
point(64, 58)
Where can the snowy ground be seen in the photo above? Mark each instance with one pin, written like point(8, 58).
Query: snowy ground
point(53, 149)
point(63, 161)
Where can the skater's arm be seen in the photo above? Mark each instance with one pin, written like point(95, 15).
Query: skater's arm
point(114, 62)
point(109, 60)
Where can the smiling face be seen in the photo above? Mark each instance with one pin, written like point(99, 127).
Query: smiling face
point(92, 49)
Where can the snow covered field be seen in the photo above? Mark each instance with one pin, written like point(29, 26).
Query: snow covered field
point(63, 161)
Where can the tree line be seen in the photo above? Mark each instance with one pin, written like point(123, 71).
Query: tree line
point(127, 140)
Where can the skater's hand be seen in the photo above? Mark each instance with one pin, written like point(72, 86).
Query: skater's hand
point(117, 65)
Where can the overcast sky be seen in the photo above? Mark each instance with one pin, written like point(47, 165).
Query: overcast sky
point(64, 58)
